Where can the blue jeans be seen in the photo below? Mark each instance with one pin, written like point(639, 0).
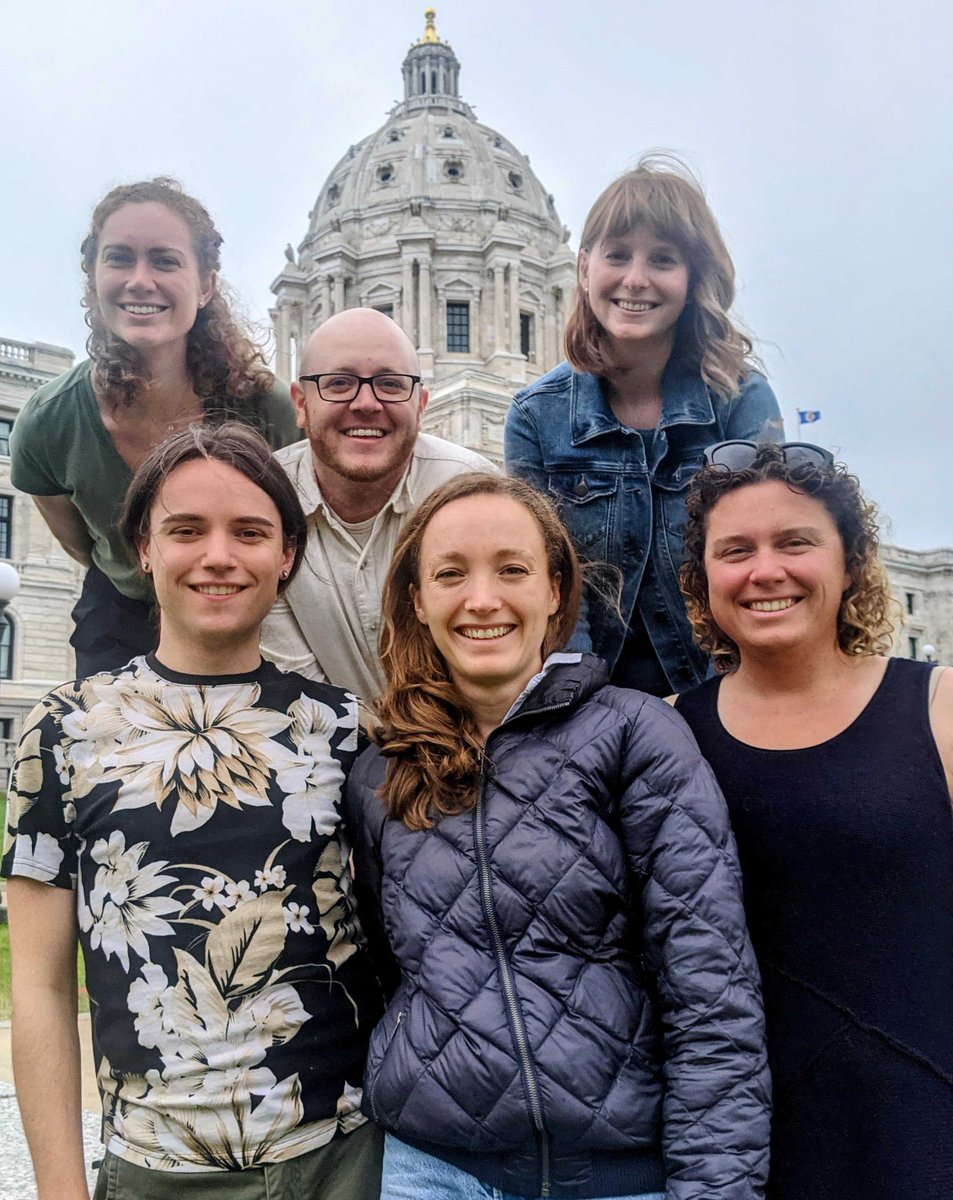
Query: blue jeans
point(411, 1174)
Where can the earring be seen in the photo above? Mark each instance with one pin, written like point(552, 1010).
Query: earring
point(285, 573)
point(145, 565)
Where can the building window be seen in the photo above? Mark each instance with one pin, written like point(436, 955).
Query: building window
point(453, 169)
point(6, 526)
point(6, 729)
point(911, 603)
point(386, 309)
point(912, 646)
point(6, 650)
point(527, 336)
point(385, 173)
point(515, 180)
point(6, 425)
point(458, 328)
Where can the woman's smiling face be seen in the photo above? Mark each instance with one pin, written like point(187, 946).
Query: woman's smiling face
point(776, 568)
point(486, 593)
point(148, 283)
point(637, 284)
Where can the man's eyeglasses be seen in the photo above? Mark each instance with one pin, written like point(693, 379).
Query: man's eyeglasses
point(341, 387)
point(739, 456)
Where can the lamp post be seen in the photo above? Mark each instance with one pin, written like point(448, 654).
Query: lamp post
point(929, 652)
point(9, 586)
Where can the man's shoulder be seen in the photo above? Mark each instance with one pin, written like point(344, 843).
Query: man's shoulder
point(437, 454)
point(291, 456)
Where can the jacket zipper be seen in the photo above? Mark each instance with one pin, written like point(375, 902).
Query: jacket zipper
point(390, 1041)
point(527, 1065)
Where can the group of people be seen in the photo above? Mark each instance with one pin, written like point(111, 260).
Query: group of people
point(414, 849)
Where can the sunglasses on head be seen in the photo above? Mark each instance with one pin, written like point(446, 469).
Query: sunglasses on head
point(740, 455)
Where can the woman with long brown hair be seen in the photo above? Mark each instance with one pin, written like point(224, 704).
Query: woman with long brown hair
point(165, 351)
point(657, 370)
point(837, 765)
point(578, 1010)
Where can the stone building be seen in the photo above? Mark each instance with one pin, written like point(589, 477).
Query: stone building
point(35, 654)
point(922, 581)
point(439, 221)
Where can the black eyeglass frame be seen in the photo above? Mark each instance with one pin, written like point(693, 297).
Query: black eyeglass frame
point(810, 456)
point(361, 380)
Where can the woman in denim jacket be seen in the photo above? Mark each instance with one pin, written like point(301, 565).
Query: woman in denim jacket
point(657, 372)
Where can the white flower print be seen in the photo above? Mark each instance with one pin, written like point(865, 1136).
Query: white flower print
point(297, 917)
point(192, 746)
point(212, 893)
point(312, 783)
point(122, 908)
point(270, 877)
point(41, 859)
point(213, 1103)
point(238, 893)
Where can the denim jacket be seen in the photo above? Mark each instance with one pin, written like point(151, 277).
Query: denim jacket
point(622, 493)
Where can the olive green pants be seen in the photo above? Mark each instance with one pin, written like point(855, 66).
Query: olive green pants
point(347, 1168)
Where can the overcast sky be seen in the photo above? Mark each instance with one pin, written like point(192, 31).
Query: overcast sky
point(822, 131)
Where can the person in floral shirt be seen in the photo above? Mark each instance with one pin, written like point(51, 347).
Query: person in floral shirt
point(181, 816)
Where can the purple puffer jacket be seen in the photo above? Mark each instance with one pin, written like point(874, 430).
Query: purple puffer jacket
point(579, 1011)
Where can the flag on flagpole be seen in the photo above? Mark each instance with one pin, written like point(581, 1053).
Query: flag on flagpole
point(807, 416)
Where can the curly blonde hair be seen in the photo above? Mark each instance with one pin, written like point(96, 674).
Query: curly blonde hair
point(221, 357)
point(868, 612)
point(426, 730)
point(662, 195)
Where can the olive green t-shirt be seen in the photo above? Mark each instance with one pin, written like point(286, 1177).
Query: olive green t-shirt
point(60, 447)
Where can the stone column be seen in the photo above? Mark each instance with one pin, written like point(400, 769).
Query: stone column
point(514, 308)
point(339, 292)
point(425, 339)
point(325, 294)
point(499, 309)
point(283, 347)
point(408, 308)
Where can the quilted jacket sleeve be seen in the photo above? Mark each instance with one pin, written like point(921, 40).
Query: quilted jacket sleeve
point(681, 850)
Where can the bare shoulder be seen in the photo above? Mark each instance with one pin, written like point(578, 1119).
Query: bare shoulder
point(941, 717)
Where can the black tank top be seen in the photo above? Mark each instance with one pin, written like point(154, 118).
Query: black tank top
point(847, 855)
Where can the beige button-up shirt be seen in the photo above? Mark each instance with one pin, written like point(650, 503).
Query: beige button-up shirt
point(327, 622)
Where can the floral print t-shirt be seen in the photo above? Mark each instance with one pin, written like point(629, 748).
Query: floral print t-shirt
point(199, 821)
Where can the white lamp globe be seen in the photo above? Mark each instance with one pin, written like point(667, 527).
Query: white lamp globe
point(9, 582)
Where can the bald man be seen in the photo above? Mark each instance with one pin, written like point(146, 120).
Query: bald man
point(362, 470)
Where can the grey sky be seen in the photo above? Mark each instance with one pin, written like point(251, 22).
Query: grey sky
point(823, 133)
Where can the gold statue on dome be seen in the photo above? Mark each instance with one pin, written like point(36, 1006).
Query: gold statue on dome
point(430, 33)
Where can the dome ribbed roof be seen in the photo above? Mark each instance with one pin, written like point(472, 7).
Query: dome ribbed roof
point(431, 152)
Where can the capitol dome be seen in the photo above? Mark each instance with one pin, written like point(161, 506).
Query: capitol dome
point(439, 221)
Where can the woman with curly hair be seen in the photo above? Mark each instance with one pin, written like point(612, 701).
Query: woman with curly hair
point(657, 371)
point(165, 351)
point(837, 765)
point(578, 1011)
